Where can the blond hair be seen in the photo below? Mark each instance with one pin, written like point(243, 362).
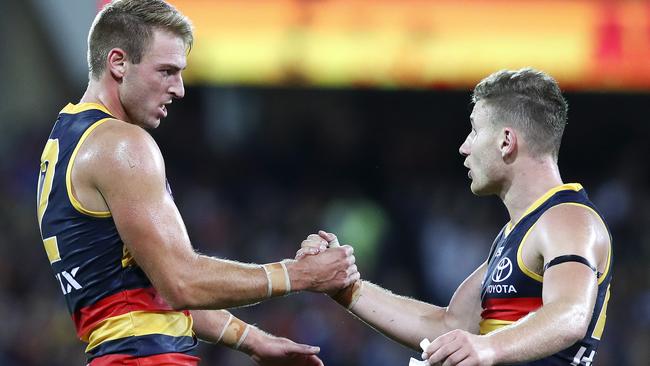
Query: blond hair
point(129, 25)
point(530, 100)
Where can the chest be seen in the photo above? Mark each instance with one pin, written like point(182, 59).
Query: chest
point(506, 275)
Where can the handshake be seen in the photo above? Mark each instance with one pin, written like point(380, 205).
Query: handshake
point(323, 265)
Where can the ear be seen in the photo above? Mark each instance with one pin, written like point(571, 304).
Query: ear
point(508, 143)
point(117, 63)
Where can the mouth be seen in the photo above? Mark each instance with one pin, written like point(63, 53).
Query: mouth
point(163, 109)
point(469, 171)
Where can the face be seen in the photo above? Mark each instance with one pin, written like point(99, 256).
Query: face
point(482, 153)
point(149, 86)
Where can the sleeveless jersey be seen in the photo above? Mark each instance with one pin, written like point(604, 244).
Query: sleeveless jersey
point(511, 291)
point(113, 305)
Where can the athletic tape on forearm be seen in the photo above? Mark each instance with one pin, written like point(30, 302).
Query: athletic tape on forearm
point(234, 333)
point(278, 279)
point(349, 295)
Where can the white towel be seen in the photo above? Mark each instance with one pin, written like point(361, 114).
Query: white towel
point(413, 362)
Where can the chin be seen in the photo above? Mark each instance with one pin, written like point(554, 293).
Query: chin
point(150, 125)
point(478, 190)
point(486, 189)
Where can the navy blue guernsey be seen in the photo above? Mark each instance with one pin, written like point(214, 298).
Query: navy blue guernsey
point(113, 305)
point(510, 290)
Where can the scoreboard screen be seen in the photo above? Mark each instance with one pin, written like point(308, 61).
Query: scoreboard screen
point(585, 44)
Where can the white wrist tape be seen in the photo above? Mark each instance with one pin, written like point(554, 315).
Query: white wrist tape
point(277, 275)
point(223, 331)
point(234, 333)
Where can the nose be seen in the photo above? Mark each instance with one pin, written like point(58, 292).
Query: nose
point(464, 149)
point(177, 90)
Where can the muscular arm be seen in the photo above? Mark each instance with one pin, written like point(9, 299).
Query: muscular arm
point(408, 321)
point(569, 290)
point(568, 294)
point(124, 164)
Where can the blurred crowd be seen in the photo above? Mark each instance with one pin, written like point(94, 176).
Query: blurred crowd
point(254, 171)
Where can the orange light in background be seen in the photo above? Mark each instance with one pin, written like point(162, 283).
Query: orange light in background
point(621, 52)
point(417, 43)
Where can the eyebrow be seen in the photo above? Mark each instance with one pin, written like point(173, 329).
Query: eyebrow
point(172, 66)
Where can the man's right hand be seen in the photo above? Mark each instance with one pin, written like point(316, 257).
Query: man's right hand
point(325, 270)
point(316, 243)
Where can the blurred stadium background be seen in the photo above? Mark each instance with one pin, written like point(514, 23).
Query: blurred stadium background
point(344, 115)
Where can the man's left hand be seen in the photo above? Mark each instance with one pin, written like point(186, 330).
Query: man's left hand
point(459, 347)
point(276, 351)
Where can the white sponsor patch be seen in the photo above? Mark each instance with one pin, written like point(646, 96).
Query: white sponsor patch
point(502, 271)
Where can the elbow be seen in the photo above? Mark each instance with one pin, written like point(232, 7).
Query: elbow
point(177, 293)
point(576, 326)
point(452, 321)
point(571, 337)
point(178, 286)
point(178, 297)
point(576, 334)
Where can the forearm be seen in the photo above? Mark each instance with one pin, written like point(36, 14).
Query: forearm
point(551, 329)
point(212, 283)
point(402, 319)
point(188, 280)
point(221, 327)
point(209, 324)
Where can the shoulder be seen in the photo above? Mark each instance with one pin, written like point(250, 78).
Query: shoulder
point(119, 136)
point(117, 149)
point(572, 219)
point(571, 229)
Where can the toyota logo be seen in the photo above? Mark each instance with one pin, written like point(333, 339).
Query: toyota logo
point(503, 270)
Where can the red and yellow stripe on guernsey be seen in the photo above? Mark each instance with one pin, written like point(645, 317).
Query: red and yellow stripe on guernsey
point(130, 313)
point(155, 360)
point(498, 313)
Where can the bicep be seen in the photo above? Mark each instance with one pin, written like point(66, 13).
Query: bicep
point(152, 229)
point(571, 283)
point(131, 178)
point(571, 231)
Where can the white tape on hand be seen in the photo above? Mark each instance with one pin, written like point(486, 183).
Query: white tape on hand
point(424, 344)
point(413, 362)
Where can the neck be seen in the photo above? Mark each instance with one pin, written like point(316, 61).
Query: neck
point(99, 91)
point(528, 184)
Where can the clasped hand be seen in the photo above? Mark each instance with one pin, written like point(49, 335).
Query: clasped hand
point(333, 265)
